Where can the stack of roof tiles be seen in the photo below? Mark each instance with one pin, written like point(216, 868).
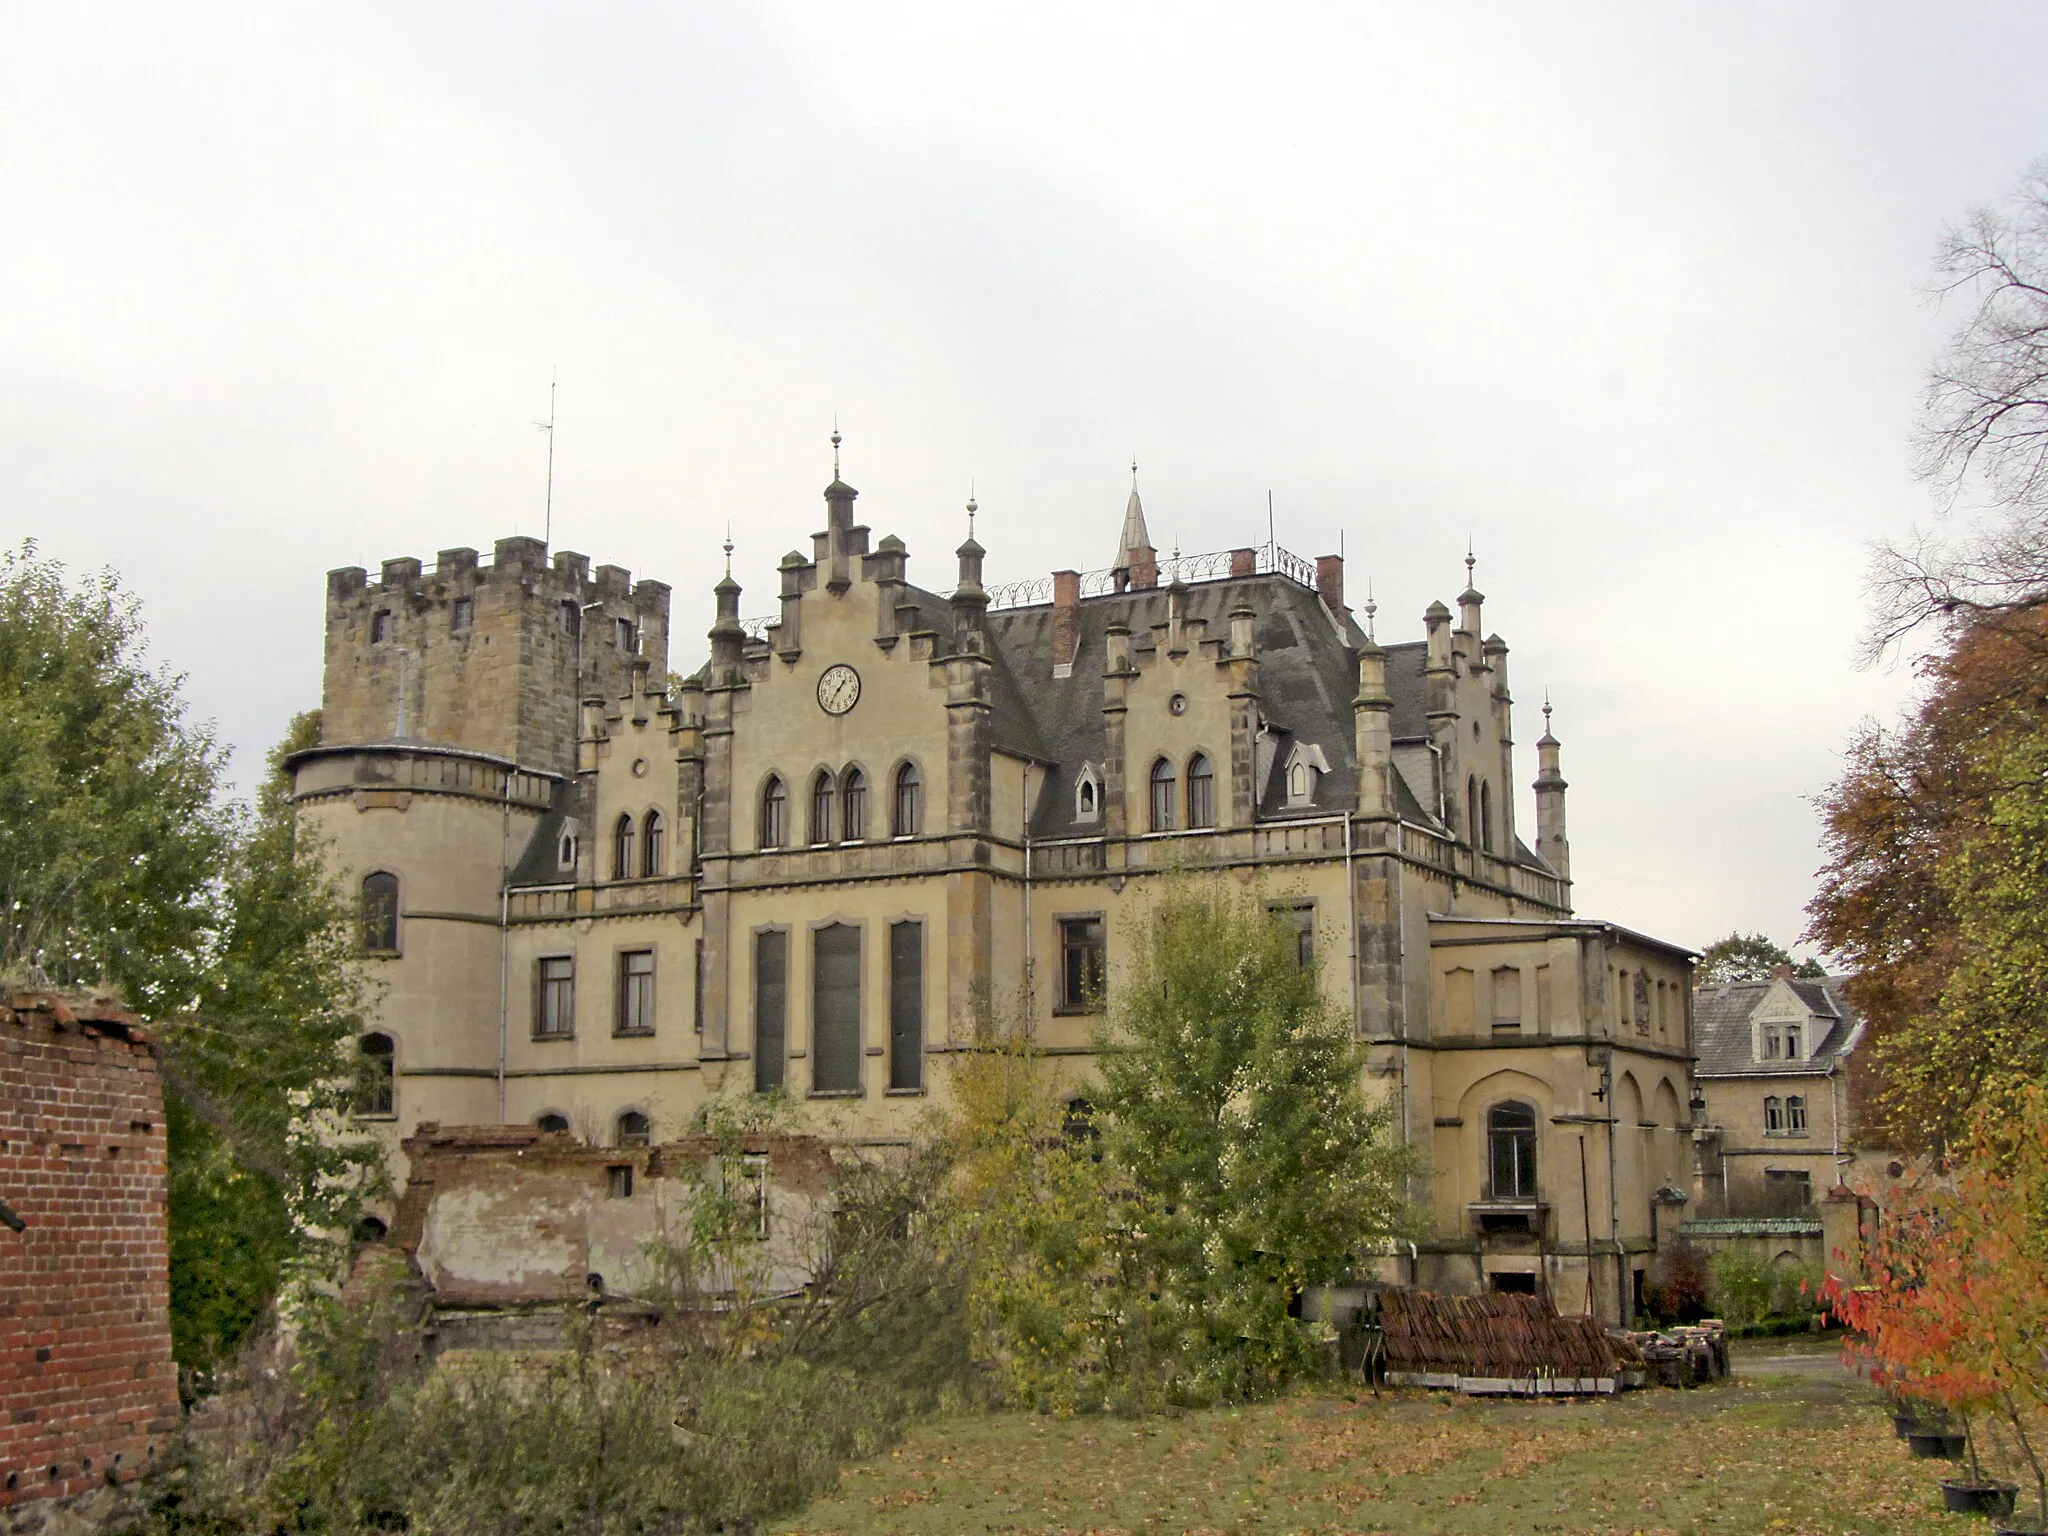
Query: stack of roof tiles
point(1497, 1335)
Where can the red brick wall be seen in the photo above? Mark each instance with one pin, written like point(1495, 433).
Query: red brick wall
point(88, 1394)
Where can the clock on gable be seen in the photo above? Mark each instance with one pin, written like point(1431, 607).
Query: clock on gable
point(838, 689)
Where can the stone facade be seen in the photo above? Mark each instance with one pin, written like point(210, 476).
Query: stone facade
point(88, 1393)
point(890, 817)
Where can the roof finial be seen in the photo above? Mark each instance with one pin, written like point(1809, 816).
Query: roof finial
point(1371, 608)
point(1469, 560)
point(971, 509)
point(1134, 473)
point(835, 445)
point(728, 547)
point(1546, 711)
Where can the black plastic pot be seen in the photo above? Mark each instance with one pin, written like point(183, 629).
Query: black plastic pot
point(1903, 1424)
point(1947, 1447)
point(1977, 1498)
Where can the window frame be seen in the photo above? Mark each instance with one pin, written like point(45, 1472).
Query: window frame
point(853, 804)
point(462, 616)
point(1086, 999)
point(771, 829)
point(396, 927)
point(563, 1129)
point(1299, 918)
point(653, 844)
point(643, 1136)
point(1162, 794)
point(623, 989)
point(780, 1055)
point(542, 984)
point(858, 1087)
point(386, 1081)
point(1795, 1114)
point(1774, 1115)
point(906, 1066)
point(906, 794)
point(622, 846)
point(824, 801)
point(1527, 1190)
point(1201, 803)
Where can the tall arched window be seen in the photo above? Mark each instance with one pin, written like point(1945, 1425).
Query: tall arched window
point(1486, 815)
point(1201, 791)
point(380, 913)
point(375, 1075)
point(552, 1123)
point(1795, 1115)
point(821, 807)
point(1472, 812)
point(1511, 1150)
point(652, 853)
point(909, 808)
point(853, 806)
point(633, 1129)
point(774, 813)
point(1162, 795)
point(622, 849)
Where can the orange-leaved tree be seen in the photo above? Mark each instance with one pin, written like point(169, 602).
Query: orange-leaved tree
point(1955, 1306)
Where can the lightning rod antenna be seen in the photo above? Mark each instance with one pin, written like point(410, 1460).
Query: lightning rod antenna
point(547, 526)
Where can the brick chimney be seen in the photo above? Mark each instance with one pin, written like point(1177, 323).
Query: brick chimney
point(1066, 620)
point(1330, 582)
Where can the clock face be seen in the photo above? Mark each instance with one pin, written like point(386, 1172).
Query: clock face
point(838, 689)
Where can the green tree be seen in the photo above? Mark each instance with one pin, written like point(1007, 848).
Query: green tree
point(1748, 957)
point(1234, 1114)
point(125, 862)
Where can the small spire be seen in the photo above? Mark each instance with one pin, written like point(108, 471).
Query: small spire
point(971, 509)
point(1470, 561)
point(728, 548)
point(835, 445)
point(1134, 474)
point(1371, 608)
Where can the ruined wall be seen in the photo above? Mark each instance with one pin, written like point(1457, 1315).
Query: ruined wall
point(509, 1216)
point(88, 1393)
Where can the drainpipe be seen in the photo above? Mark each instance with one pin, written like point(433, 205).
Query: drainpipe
point(505, 936)
point(1835, 1118)
point(1030, 976)
point(1621, 1299)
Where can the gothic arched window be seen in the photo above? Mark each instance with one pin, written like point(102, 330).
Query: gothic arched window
point(909, 808)
point(375, 1074)
point(652, 853)
point(380, 913)
point(1511, 1150)
point(774, 813)
point(1201, 791)
point(853, 806)
point(1162, 795)
point(1486, 816)
point(622, 849)
point(552, 1123)
point(1472, 812)
point(821, 807)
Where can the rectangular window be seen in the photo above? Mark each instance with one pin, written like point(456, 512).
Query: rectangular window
point(380, 626)
point(906, 1005)
point(1774, 1116)
point(623, 636)
point(636, 992)
point(697, 988)
point(464, 614)
point(1795, 1115)
point(1081, 964)
point(565, 617)
point(1792, 1042)
point(835, 1009)
point(555, 1009)
point(1300, 922)
point(618, 1181)
point(771, 1009)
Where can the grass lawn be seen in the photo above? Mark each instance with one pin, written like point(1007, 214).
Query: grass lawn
point(1792, 1444)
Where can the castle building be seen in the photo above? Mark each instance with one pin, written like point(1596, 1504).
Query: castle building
point(866, 829)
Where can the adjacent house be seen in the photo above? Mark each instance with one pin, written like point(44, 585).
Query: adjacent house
point(1777, 1131)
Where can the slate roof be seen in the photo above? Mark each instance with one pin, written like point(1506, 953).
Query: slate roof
point(1723, 1041)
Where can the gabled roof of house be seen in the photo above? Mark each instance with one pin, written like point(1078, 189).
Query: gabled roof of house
point(1723, 1039)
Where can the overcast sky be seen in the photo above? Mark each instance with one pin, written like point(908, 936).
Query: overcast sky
point(1629, 294)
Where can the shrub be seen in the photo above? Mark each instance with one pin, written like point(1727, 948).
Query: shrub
point(1739, 1287)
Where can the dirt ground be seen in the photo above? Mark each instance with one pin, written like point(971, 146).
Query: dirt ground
point(1792, 1443)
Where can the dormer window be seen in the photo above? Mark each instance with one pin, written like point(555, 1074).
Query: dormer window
point(1088, 795)
point(565, 852)
point(1306, 766)
point(1792, 1042)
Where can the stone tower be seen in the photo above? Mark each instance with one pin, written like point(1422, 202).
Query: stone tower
point(491, 658)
